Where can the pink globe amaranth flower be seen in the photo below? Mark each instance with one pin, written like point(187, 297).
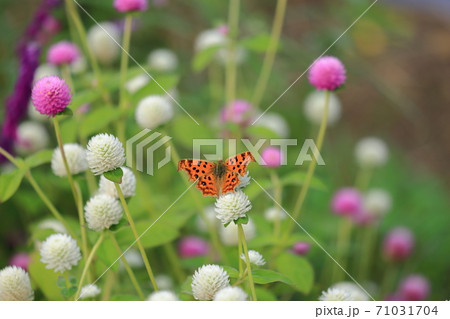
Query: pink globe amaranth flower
point(347, 202)
point(21, 260)
point(327, 73)
point(301, 248)
point(238, 112)
point(363, 218)
point(192, 246)
point(50, 95)
point(223, 29)
point(398, 244)
point(414, 288)
point(272, 156)
point(63, 52)
point(130, 5)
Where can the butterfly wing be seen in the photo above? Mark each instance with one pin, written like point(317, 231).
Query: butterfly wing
point(235, 166)
point(208, 185)
point(203, 172)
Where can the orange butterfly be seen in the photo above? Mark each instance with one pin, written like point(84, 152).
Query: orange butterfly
point(215, 179)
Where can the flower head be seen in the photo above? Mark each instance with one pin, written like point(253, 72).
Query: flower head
point(76, 159)
point(327, 73)
point(60, 252)
point(102, 211)
point(15, 285)
point(229, 235)
point(232, 206)
point(45, 69)
point(153, 111)
point(346, 202)
point(301, 248)
point(208, 280)
point(334, 294)
point(102, 40)
point(315, 105)
point(128, 185)
point(414, 288)
point(231, 294)
point(192, 246)
point(272, 156)
point(21, 260)
point(50, 95)
point(105, 153)
point(238, 112)
point(210, 38)
point(31, 137)
point(244, 181)
point(371, 152)
point(255, 258)
point(162, 60)
point(162, 295)
point(274, 213)
point(63, 52)
point(54, 225)
point(130, 5)
point(164, 282)
point(90, 291)
point(398, 244)
point(354, 291)
point(377, 202)
point(138, 82)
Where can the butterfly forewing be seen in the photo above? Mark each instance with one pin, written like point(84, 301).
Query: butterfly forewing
point(196, 168)
point(239, 163)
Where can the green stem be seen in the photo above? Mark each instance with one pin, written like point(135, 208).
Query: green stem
point(389, 279)
point(230, 71)
point(342, 248)
point(241, 262)
point(127, 266)
point(368, 241)
point(84, 241)
point(363, 178)
point(242, 240)
point(175, 262)
point(278, 196)
point(269, 58)
point(88, 263)
point(66, 74)
point(136, 236)
point(108, 285)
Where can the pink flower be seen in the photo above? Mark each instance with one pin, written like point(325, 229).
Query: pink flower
point(301, 248)
point(327, 73)
point(63, 52)
point(363, 218)
point(347, 202)
point(50, 95)
point(272, 156)
point(192, 246)
point(223, 29)
point(239, 112)
point(21, 260)
point(130, 5)
point(414, 288)
point(398, 244)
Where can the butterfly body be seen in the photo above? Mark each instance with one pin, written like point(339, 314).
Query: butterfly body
point(215, 179)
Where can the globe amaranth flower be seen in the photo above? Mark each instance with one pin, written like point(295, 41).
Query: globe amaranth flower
point(162, 295)
point(102, 211)
point(128, 185)
point(371, 152)
point(164, 282)
point(238, 112)
point(377, 202)
point(355, 292)
point(134, 259)
point(105, 153)
point(231, 294)
point(274, 122)
point(63, 52)
point(398, 244)
point(208, 280)
point(90, 291)
point(44, 70)
point(52, 224)
point(232, 206)
point(60, 252)
point(15, 285)
point(153, 111)
point(130, 5)
point(334, 294)
point(327, 73)
point(346, 202)
point(138, 82)
point(244, 181)
point(162, 60)
point(192, 246)
point(50, 95)
point(21, 260)
point(255, 258)
point(210, 38)
point(314, 107)
point(414, 288)
point(301, 248)
point(76, 160)
point(31, 137)
point(272, 157)
point(229, 235)
point(274, 213)
point(102, 40)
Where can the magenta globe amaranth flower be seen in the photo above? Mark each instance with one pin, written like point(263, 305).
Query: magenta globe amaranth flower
point(414, 288)
point(301, 248)
point(346, 202)
point(327, 73)
point(21, 260)
point(192, 246)
point(63, 52)
point(272, 156)
point(130, 5)
point(50, 95)
point(398, 244)
point(238, 112)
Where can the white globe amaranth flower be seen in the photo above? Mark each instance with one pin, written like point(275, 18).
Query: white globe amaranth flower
point(274, 213)
point(314, 107)
point(274, 122)
point(31, 137)
point(244, 181)
point(15, 285)
point(371, 152)
point(210, 38)
point(239, 55)
point(76, 160)
point(79, 65)
point(208, 280)
point(102, 40)
point(353, 290)
point(231, 294)
point(45, 69)
point(90, 291)
point(164, 282)
point(54, 225)
point(334, 294)
point(162, 60)
point(35, 115)
point(232, 206)
point(128, 185)
point(60, 252)
point(210, 215)
point(105, 153)
point(162, 295)
point(138, 82)
point(134, 258)
point(229, 235)
point(102, 211)
point(153, 111)
point(377, 202)
point(255, 258)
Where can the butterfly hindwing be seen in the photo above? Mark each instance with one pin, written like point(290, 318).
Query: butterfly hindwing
point(208, 185)
point(239, 163)
point(229, 182)
point(195, 168)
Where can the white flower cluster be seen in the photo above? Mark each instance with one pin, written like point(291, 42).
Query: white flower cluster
point(128, 185)
point(162, 295)
point(76, 159)
point(371, 152)
point(334, 294)
point(208, 280)
point(353, 290)
point(273, 213)
point(231, 294)
point(315, 106)
point(31, 137)
point(255, 258)
point(102, 40)
point(15, 285)
point(60, 252)
point(90, 291)
point(377, 202)
point(153, 111)
point(162, 60)
point(102, 211)
point(105, 153)
point(232, 206)
point(229, 235)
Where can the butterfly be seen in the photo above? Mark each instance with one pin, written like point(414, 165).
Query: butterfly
point(215, 179)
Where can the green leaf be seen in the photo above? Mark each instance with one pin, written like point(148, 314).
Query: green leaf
point(185, 131)
point(265, 276)
point(155, 235)
point(73, 280)
point(298, 270)
point(232, 272)
point(10, 182)
point(258, 43)
point(98, 119)
point(263, 294)
point(155, 87)
point(203, 58)
point(45, 279)
point(122, 223)
point(108, 254)
point(66, 112)
point(61, 282)
point(68, 292)
point(39, 158)
point(241, 220)
point(115, 175)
